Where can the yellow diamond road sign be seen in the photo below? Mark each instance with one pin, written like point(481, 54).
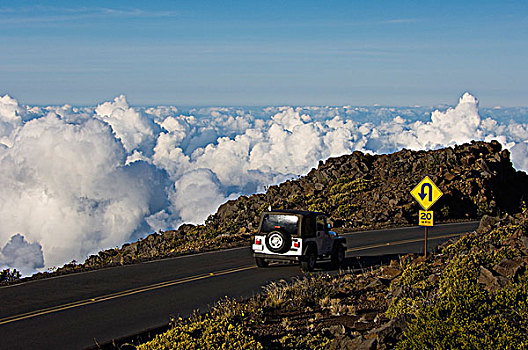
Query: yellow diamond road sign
point(426, 193)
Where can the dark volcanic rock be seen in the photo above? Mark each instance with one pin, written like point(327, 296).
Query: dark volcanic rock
point(511, 267)
point(362, 191)
point(389, 333)
point(486, 223)
point(490, 281)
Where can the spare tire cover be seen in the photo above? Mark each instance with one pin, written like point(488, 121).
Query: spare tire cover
point(278, 241)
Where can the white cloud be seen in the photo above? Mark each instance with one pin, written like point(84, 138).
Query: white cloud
point(454, 126)
point(10, 119)
point(65, 186)
point(519, 155)
point(27, 257)
point(196, 195)
point(132, 127)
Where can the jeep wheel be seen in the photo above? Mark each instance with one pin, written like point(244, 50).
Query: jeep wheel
point(278, 242)
point(308, 263)
point(338, 255)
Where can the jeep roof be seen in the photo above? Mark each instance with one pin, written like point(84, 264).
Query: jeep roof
point(305, 227)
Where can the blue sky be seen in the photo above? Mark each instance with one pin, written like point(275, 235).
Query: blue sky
point(264, 53)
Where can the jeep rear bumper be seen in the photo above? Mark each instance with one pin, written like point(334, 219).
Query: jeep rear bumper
point(278, 257)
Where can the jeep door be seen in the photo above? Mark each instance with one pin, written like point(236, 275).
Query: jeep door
point(324, 243)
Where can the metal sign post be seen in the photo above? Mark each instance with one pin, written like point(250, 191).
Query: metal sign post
point(425, 218)
point(425, 244)
point(426, 194)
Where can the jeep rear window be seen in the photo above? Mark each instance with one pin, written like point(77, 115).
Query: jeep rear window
point(287, 223)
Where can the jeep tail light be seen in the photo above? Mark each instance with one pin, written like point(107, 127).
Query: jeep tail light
point(296, 244)
point(258, 241)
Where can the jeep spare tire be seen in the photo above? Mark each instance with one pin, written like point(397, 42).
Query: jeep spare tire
point(278, 241)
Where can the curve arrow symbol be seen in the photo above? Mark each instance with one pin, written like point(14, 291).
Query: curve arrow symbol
point(422, 194)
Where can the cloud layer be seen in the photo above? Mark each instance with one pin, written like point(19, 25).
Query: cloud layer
point(77, 180)
point(27, 257)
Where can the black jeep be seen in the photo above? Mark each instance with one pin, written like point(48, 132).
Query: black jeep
point(294, 235)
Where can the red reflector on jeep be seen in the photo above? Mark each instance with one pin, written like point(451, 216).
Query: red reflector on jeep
point(258, 241)
point(296, 244)
point(277, 227)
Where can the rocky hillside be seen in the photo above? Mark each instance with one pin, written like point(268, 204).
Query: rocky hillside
point(472, 294)
point(359, 191)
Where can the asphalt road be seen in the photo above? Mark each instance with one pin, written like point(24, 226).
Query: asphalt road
point(81, 310)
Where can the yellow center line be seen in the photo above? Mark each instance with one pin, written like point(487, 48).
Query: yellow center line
point(120, 294)
point(414, 240)
point(180, 281)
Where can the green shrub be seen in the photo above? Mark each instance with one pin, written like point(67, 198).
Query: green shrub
point(305, 341)
point(350, 185)
point(8, 276)
point(202, 332)
point(302, 292)
point(415, 275)
point(461, 314)
point(224, 327)
point(264, 207)
point(415, 278)
point(469, 317)
point(346, 210)
point(319, 205)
